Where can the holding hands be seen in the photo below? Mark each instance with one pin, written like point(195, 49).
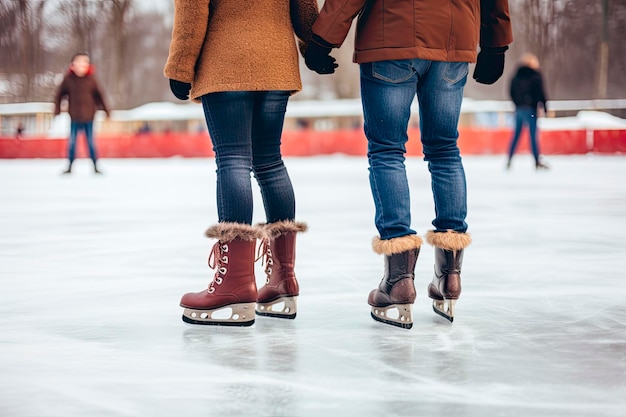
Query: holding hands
point(317, 56)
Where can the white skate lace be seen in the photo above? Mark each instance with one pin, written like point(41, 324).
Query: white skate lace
point(218, 259)
point(265, 254)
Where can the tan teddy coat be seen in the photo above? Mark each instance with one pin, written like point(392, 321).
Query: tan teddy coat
point(239, 45)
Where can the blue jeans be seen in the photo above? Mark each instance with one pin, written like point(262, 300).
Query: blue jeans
point(525, 115)
point(245, 129)
point(87, 128)
point(387, 91)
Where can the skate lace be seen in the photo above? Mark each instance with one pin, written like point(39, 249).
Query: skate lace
point(265, 254)
point(218, 259)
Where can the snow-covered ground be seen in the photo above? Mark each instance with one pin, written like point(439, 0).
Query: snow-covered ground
point(92, 269)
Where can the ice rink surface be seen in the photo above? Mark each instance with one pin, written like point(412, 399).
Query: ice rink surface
point(92, 269)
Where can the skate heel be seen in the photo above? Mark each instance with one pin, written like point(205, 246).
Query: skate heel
point(445, 308)
point(282, 307)
point(230, 315)
point(399, 315)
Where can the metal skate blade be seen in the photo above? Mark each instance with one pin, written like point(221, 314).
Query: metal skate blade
point(218, 323)
point(391, 322)
point(277, 315)
point(404, 317)
point(282, 308)
point(241, 315)
point(439, 308)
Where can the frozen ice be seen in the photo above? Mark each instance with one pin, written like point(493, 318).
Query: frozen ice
point(92, 269)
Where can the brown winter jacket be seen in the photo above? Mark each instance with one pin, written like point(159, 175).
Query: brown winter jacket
point(239, 45)
point(83, 95)
point(437, 30)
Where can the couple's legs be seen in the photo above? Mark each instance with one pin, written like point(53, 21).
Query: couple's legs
point(245, 128)
point(388, 88)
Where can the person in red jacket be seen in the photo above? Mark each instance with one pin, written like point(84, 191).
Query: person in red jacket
point(408, 48)
point(84, 97)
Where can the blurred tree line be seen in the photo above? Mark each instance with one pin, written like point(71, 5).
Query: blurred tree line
point(580, 44)
point(128, 45)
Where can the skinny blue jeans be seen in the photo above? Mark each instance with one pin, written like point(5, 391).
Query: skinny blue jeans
point(525, 115)
point(387, 91)
point(87, 128)
point(245, 128)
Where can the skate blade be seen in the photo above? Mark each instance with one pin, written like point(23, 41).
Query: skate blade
point(283, 307)
point(445, 308)
point(231, 315)
point(404, 317)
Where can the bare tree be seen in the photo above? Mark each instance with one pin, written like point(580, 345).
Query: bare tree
point(9, 35)
point(20, 36)
point(119, 19)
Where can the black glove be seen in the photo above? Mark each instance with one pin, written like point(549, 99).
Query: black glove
point(180, 89)
point(317, 56)
point(489, 65)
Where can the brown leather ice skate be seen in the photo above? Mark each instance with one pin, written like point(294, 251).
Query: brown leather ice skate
point(278, 297)
point(445, 288)
point(393, 299)
point(229, 299)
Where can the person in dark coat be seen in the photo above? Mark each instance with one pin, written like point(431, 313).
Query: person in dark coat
point(84, 97)
point(527, 92)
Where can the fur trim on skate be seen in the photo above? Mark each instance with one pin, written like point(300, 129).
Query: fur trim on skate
point(396, 245)
point(274, 230)
point(449, 240)
point(225, 232)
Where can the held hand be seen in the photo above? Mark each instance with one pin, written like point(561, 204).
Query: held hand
point(317, 56)
point(180, 89)
point(489, 65)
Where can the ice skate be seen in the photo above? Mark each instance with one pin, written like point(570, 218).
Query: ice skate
point(445, 288)
point(231, 315)
point(229, 299)
point(393, 300)
point(541, 166)
point(278, 297)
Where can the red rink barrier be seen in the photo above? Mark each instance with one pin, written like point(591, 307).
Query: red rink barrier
point(311, 142)
point(609, 141)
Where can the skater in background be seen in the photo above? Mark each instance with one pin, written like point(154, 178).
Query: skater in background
point(84, 97)
point(404, 48)
point(527, 92)
point(19, 130)
point(241, 62)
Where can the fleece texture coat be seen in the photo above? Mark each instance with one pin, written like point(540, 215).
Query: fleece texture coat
point(239, 45)
point(83, 95)
point(435, 30)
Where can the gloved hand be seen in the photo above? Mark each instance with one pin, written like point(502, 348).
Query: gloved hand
point(489, 65)
point(317, 56)
point(180, 89)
